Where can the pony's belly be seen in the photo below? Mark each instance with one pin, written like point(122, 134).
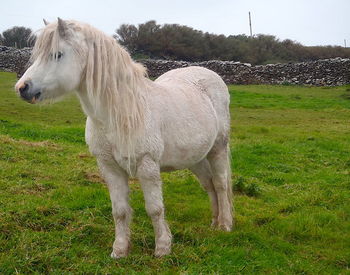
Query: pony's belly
point(189, 136)
point(172, 164)
point(177, 157)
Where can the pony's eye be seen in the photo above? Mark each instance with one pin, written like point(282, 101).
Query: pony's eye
point(57, 55)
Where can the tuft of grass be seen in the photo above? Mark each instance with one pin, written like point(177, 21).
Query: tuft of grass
point(247, 187)
point(346, 95)
point(290, 157)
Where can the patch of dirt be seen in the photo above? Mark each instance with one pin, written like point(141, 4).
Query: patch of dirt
point(84, 156)
point(94, 177)
point(41, 144)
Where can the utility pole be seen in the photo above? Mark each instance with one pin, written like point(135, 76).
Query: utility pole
point(250, 25)
point(344, 43)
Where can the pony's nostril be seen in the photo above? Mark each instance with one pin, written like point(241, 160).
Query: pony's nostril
point(24, 88)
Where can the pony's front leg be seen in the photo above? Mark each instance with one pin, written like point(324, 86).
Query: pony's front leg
point(117, 182)
point(148, 172)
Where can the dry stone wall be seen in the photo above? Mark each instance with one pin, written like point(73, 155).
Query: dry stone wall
point(14, 60)
point(327, 72)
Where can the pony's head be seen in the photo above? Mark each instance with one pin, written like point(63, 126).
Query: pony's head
point(68, 56)
point(57, 63)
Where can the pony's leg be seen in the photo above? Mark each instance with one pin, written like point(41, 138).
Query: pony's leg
point(148, 172)
point(221, 170)
point(117, 182)
point(202, 170)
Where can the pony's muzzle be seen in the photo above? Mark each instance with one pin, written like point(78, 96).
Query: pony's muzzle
point(26, 93)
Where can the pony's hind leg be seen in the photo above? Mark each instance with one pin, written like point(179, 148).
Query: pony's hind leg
point(202, 170)
point(117, 182)
point(219, 161)
point(148, 172)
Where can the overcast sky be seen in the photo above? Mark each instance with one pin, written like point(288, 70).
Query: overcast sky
point(311, 22)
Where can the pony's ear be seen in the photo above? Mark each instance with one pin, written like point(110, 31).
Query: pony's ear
point(46, 22)
point(62, 27)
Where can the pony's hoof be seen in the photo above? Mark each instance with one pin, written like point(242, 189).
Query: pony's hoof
point(225, 227)
point(162, 251)
point(214, 223)
point(119, 254)
point(120, 249)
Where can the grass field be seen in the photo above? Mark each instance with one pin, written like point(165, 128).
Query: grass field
point(291, 163)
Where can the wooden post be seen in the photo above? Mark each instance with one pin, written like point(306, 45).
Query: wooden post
point(250, 25)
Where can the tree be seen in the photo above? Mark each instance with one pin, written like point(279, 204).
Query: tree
point(127, 35)
point(178, 42)
point(148, 38)
point(18, 37)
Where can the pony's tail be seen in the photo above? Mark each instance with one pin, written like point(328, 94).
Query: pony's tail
point(229, 183)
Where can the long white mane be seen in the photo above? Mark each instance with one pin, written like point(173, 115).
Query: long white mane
point(111, 78)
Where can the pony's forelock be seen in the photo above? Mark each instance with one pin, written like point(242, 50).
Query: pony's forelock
point(47, 43)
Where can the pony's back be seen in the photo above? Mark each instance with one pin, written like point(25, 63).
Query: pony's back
point(205, 81)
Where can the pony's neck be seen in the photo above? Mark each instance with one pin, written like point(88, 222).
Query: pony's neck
point(88, 107)
point(114, 90)
point(99, 111)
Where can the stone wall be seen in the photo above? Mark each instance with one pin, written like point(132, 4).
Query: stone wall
point(327, 72)
point(14, 60)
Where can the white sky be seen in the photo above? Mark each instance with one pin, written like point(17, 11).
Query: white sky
point(310, 22)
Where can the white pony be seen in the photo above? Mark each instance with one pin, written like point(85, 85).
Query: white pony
point(137, 127)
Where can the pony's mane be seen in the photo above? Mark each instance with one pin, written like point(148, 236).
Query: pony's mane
point(111, 78)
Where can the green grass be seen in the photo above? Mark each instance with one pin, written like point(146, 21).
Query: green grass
point(291, 164)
